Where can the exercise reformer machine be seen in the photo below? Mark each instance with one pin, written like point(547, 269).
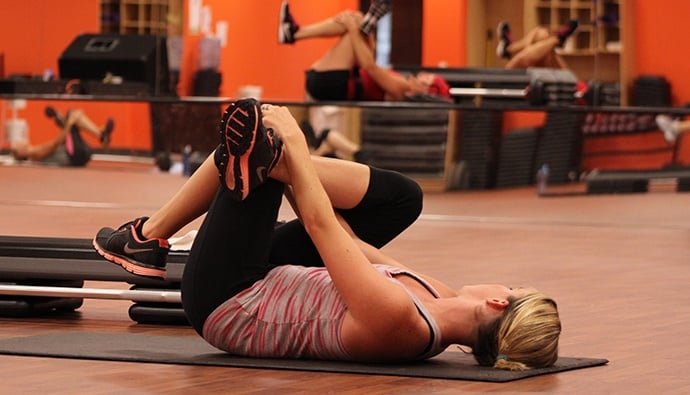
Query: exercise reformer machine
point(534, 86)
point(543, 87)
point(42, 275)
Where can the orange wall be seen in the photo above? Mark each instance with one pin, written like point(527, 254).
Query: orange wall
point(661, 45)
point(253, 56)
point(444, 33)
point(34, 32)
point(636, 151)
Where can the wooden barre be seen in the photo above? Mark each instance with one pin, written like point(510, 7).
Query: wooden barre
point(151, 296)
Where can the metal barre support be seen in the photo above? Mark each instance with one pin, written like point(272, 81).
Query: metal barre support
point(92, 293)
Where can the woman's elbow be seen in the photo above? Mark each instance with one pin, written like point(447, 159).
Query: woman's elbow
point(316, 223)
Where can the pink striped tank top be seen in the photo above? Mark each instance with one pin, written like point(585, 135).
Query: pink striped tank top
point(294, 312)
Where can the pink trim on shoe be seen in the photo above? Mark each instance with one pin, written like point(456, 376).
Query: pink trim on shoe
point(230, 180)
point(128, 266)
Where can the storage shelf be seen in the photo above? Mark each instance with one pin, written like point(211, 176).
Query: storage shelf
point(141, 16)
point(599, 25)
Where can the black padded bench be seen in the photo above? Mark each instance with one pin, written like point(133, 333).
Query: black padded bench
point(632, 181)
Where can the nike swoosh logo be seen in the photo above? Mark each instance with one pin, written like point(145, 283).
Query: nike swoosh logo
point(129, 250)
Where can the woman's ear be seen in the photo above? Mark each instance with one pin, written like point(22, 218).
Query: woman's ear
point(497, 304)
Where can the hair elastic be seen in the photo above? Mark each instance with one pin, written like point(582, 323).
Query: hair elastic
point(502, 356)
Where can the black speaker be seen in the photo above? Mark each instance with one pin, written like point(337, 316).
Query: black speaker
point(207, 82)
point(136, 58)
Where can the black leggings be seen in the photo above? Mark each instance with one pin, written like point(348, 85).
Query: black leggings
point(239, 243)
point(332, 85)
point(80, 152)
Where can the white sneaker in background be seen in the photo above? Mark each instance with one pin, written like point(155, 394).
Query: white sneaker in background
point(669, 126)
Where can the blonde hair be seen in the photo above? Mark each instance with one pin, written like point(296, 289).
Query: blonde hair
point(525, 337)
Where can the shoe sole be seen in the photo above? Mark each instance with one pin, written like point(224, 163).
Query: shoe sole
point(379, 9)
point(502, 45)
point(282, 37)
point(128, 265)
point(239, 145)
point(499, 30)
point(52, 114)
point(372, 17)
point(501, 49)
point(106, 132)
point(565, 32)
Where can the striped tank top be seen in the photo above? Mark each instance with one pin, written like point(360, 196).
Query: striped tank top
point(295, 312)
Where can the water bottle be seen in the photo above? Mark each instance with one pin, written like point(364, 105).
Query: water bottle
point(542, 179)
point(186, 167)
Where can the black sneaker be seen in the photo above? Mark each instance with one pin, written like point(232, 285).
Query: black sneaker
point(288, 27)
point(669, 126)
point(377, 9)
point(126, 247)
point(504, 40)
point(566, 31)
point(52, 113)
point(248, 151)
point(105, 133)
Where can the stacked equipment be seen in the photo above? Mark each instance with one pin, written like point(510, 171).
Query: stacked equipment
point(43, 275)
point(408, 140)
point(481, 134)
point(560, 146)
point(516, 158)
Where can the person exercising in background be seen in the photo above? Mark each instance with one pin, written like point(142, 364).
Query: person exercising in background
point(537, 48)
point(333, 143)
point(348, 70)
point(672, 127)
point(68, 148)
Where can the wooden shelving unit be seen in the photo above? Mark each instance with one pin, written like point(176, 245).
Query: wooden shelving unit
point(593, 52)
point(141, 16)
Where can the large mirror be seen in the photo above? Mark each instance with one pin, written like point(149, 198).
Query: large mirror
point(600, 48)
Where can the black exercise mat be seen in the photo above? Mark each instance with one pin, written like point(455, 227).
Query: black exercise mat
point(191, 350)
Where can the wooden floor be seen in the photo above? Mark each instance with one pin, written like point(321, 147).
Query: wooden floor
point(619, 266)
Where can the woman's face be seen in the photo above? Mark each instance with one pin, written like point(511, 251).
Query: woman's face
point(494, 291)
